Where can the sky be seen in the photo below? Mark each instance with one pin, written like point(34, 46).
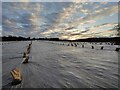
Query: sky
point(64, 20)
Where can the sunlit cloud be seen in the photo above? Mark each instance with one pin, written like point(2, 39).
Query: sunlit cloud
point(23, 0)
point(65, 20)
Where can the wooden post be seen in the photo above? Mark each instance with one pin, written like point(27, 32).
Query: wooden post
point(75, 44)
point(102, 48)
point(117, 49)
point(28, 49)
point(24, 55)
point(71, 44)
point(82, 46)
point(92, 47)
point(25, 60)
point(16, 75)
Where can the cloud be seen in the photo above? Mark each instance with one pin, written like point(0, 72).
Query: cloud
point(66, 20)
point(96, 15)
point(94, 31)
point(21, 18)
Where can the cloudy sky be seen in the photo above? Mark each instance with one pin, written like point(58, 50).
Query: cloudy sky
point(65, 20)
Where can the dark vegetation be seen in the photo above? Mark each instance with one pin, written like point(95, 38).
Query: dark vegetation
point(115, 40)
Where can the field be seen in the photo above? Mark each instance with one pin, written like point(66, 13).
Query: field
point(57, 65)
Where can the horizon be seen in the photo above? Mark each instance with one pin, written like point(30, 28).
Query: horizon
point(56, 38)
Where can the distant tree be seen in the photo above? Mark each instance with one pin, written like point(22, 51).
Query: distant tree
point(33, 38)
point(28, 38)
point(117, 27)
point(10, 36)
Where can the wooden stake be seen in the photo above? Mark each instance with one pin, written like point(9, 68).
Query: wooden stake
point(25, 60)
point(16, 75)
